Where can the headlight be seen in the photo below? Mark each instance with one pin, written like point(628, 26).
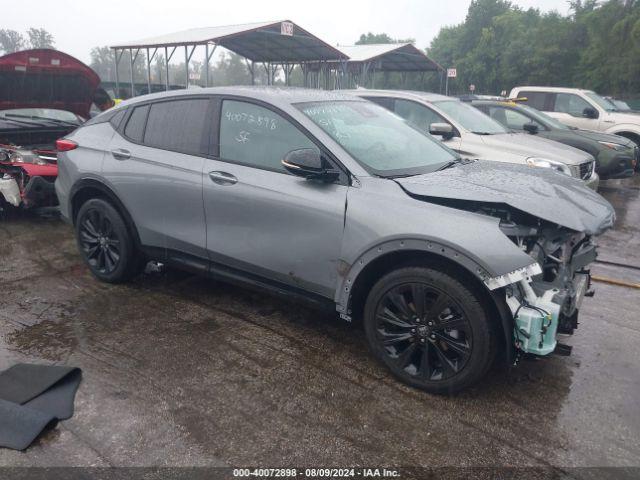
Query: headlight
point(546, 163)
point(26, 156)
point(615, 146)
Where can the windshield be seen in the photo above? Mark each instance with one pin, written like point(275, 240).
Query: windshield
point(470, 118)
point(543, 117)
point(621, 106)
point(601, 101)
point(42, 114)
point(381, 141)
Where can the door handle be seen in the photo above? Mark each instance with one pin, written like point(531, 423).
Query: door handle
point(222, 178)
point(121, 154)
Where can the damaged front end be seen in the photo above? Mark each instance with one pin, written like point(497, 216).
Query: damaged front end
point(27, 176)
point(552, 218)
point(546, 299)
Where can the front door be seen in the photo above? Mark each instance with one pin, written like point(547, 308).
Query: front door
point(261, 219)
point(569, 108)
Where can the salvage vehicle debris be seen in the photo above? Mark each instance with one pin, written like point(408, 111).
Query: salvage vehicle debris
point(330, 198)
point(44, 95)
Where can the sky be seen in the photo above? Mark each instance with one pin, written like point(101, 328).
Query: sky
point(79, 25)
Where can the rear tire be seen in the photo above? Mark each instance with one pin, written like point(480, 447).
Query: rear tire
point(105, 243)
point(430, 330)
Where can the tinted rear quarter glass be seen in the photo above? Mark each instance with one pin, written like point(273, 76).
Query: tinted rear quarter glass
point(177, 125)
point(537, 100)
point(135, 125)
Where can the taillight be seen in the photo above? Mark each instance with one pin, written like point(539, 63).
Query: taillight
point(64, 145)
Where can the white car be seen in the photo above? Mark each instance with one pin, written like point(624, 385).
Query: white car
point(582, 109)
point(473, 134)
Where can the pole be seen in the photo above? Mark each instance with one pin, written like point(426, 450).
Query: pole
point(446, 85)
point(206, 65)
point(166, 69)
point(131, 72)
point(186, 65)
point(148, 72)
point(117, 61)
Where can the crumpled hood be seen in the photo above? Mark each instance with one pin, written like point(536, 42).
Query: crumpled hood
point(540, 192)
point(531, 146)
point(46, 78)
point(604, 137)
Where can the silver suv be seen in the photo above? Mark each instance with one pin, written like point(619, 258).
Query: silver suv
point(332, 199)
point(473, 134)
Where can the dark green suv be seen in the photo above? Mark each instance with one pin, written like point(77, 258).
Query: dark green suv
point(616, 156)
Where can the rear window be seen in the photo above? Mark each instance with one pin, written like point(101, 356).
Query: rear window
point(177, 125)
point(537, 100)
point(135, 125)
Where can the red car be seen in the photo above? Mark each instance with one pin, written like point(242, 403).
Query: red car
point(44, 95)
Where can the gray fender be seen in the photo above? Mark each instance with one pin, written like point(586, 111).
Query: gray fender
point(351, 272)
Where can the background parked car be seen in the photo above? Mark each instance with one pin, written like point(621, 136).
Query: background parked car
point(475, 135)
point(582, 109)
point(44, 95)
point(616, 157)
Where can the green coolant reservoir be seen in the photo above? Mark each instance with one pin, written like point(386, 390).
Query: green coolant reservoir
point(536, 326)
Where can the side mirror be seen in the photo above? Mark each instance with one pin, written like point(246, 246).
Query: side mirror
point(590, 113)
point(308, 163)
point(531, 128)
point(445, 130)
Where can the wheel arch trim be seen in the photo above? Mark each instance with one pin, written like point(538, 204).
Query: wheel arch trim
point(90, 183)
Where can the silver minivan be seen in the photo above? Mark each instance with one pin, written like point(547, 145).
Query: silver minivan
point(473, 134)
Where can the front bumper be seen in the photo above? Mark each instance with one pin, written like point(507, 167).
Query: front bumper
point(593, 181)
point(38, 192)
point(619, 165)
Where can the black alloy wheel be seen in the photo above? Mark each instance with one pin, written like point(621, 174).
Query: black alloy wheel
point(106, 243)
point(430, 330)
point(99, 242)
point(423, 331)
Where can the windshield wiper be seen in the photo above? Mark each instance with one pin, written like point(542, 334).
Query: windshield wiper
point(483, 133)
point(35, 117)
point(450, 164)
point(18, 122)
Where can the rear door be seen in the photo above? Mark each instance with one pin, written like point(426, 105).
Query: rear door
point(155, 167)
point(261, 219)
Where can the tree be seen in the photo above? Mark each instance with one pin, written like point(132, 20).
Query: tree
point(500, 45)
point(373, 38)
point(40, 38)
point(11, 41)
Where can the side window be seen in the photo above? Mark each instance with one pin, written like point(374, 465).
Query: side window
point(117, 118)
point(571, 104)
point(135, 125)
point(177, 125)
point(515, 120)
point(417, 115)
point(382, 101)
point(256, 136)
point(537, 100)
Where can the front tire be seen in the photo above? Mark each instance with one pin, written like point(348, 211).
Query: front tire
point(105, 243)
point(430, 330)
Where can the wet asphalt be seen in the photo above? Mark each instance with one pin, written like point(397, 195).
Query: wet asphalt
point(181, 370)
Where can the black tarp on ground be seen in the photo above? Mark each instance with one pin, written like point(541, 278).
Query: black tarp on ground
point(32, 398)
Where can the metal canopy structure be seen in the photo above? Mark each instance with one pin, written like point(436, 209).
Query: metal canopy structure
point(279, 43)
point(365, 60)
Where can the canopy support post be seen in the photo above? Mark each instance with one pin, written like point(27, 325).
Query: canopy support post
point(132, 61)
point(207, 62)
